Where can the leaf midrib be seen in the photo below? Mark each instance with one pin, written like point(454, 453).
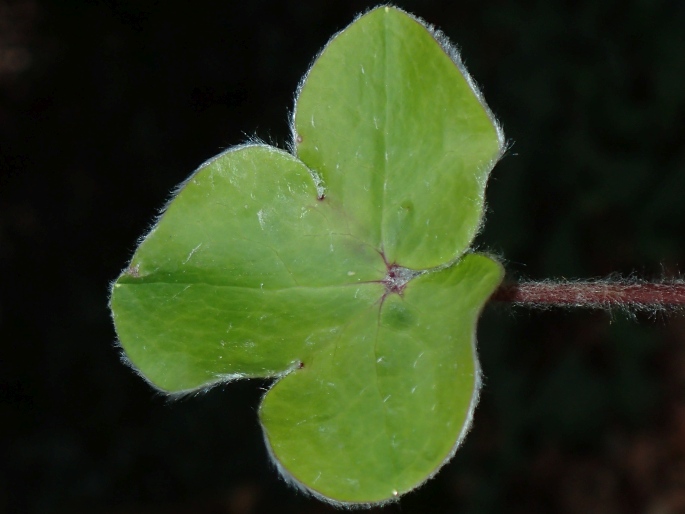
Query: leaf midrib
point(142, 281)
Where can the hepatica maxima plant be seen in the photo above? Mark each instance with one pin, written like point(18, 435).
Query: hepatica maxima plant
point(341, 268)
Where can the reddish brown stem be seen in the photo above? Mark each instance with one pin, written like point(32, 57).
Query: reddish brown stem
point(593, 294)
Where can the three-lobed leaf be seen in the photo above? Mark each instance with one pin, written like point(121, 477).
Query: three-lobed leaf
point(343, 270)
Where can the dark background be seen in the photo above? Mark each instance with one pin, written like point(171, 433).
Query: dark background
point(106, 105)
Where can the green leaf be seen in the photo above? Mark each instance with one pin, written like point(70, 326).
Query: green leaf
point(343, 272)
point(401, 140)
point(380, 409)
point(242, 276)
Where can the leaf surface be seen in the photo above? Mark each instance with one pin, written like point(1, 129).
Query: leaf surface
point(382, 408)
point(400, 137)
point(343, 271)
point(242, 276)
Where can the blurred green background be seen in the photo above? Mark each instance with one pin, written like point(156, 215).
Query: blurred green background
point(106, 105)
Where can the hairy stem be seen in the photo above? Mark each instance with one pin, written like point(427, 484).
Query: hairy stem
point(594, 294)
